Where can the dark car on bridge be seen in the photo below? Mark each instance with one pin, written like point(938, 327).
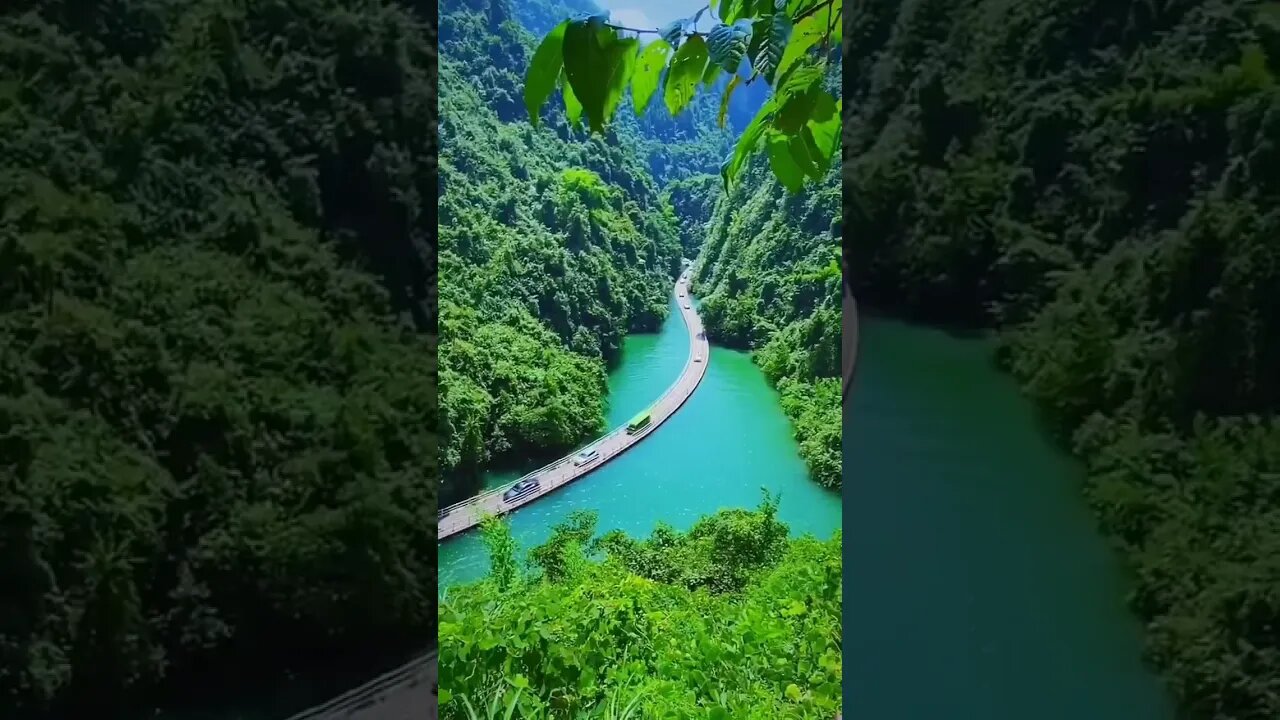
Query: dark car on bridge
point(521, 489)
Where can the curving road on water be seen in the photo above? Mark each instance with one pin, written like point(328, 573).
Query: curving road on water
point(465, 515)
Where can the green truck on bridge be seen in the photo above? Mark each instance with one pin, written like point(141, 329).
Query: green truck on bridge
point(639, 422)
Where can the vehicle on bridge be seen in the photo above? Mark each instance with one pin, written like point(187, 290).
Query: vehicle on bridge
point(586, 457)
point(521, 489)
point(686, 306)
point(639, 422)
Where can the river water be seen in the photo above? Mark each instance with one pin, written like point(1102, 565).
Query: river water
point(976, 584)
point(728, 441)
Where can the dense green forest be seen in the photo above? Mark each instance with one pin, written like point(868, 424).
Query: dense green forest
point(732, 619)
point(553, 246)
point(1100, 181)
point(555, 243)
point(217, 382)
point(536, 213)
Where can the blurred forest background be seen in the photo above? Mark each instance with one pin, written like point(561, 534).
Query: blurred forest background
point(1099, 181)
point(218, 455)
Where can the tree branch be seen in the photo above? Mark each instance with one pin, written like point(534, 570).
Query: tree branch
point(830, 23)
point(828, 4)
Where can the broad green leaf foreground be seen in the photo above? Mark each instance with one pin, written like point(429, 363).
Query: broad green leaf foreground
point(786, 44)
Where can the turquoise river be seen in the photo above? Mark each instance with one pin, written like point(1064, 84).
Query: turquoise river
point(728, 441)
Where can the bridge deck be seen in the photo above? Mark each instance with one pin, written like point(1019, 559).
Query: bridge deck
point(467, 514)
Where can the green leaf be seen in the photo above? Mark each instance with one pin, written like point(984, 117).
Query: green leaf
point(728, 43)
point(768, 41)
point(800, 80)
point(730, 10)
point(824, 125)
point(443, 696)
point(794, 608)
point(544, 71)
point(724, 100)
point(686, 71)
point(747, 143)
point(648, 74)
point(710, 74)
point(572, 108)
point(598, 65)
point(796, 111)
point(806, 33)
point(806, 155)
point(785, 167)
point(797, 97)
point(793, 693)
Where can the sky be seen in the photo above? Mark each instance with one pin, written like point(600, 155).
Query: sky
point(649, 14)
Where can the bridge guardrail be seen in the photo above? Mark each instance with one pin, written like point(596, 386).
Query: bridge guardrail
point(507, 486)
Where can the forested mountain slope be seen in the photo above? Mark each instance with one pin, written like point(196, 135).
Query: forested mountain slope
point(217, 391)
point(768, 255)
point(694, 199)
point(554, 245)
point(1100, 180)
